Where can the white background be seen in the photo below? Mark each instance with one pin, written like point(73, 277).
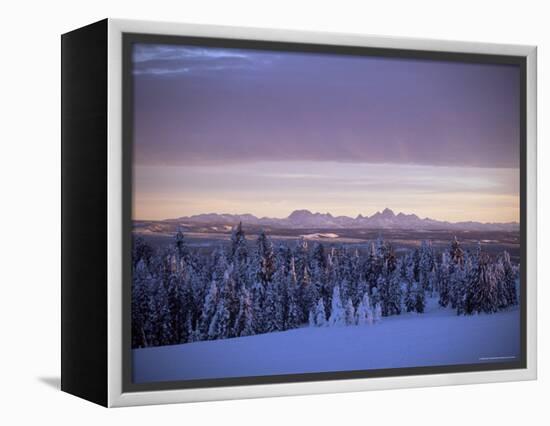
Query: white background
point(30, 211)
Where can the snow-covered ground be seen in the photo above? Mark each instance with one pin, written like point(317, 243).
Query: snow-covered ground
point(437, 337)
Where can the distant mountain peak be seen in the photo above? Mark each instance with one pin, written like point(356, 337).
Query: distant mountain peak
point(298, 214)
point(388, 212)
point(386, 219)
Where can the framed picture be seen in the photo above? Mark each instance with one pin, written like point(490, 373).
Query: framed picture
point(251, 212)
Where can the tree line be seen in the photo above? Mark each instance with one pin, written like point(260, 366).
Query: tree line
point(181, 295)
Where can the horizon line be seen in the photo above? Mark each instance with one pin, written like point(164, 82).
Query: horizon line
point(328, 213)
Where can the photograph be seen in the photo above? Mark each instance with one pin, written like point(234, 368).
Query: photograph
point(298, 212)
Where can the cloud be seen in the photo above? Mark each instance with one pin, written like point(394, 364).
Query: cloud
point(166, 60)
point(205, 105)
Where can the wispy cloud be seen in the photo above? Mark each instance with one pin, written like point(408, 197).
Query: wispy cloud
point(166, 60)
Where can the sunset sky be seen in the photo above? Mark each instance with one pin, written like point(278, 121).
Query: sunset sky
point(245, 131)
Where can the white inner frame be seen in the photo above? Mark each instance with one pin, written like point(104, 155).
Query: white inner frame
point(114, 216)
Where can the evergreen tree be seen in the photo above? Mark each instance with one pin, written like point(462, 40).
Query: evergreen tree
point(193, 332)
point(389, 284)
point(179, 244)
point(208, 310)
point(410, 297)
point(158, 331)
point(272, 312)
point(220, 322)
point(363, 311)
point(482, 290)
point(509, 280)
point(370, 316)
point(294, 314)
point(141, 251)
point(459, 279)
point(264, 259)
point(456, 252)
point(141, 283)
point(300, 259)
point(180, 305)
point(420, 299)
point(320, 314)
point(308, 293)
point(337, 314)
point(244, 323)
point(349, 313)
point(238, 240)
point(444, 280)
point(373, 267)
point(311, 319)
point(425, 265)
point(258, 308)
point(378, 313)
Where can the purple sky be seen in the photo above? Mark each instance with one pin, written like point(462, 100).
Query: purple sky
point(438, 131)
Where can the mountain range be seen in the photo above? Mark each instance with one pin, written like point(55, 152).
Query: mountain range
point(386, 219)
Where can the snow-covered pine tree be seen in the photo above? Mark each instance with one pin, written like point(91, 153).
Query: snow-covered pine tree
point(318, 257)
point(337, 313)
point(370, 316)
point(393, 302)
point(483, 292)
point(458, 284)
point(244, 323)
point(300, 258)
point(375, 296)
point(320, 314)
point(179, 243)
point(319, 272)
point(311, 319)
point(348, 281)
point(264, 259)
point(361, 316)
point(377, 313)
point(509, 278)
point(381, 295)
point(193, 333)
point(420, 299)
point(258, 292)
point(410, 297)
point(362, 287)
point(208, 310)
point(349, 313)
point(372, 267)
point(456, 253)
point(141, 283)
point(220, 322)
point(390, 258)
point(180, 304)
point(444, 280)
point(426, 264)
point(141, 251)
point(502, 296)
point(308, 292)
point(294, 314)
point(229, 291)
point(272, 312)
point(238, 240)
point(158, 331)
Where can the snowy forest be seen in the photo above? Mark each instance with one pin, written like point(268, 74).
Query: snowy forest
point(183, 295)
